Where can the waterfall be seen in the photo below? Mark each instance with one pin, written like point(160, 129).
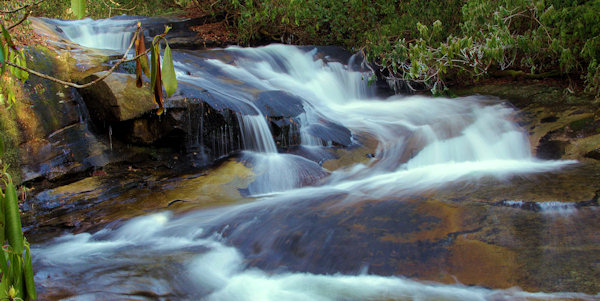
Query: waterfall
point(256, 134)
point(110, 34)
point(422, 140)
point(419, 144)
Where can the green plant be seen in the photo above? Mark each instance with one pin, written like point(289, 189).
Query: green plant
point(15, 261)
point(434, 44)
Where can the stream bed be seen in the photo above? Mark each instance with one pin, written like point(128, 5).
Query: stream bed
point(379, 197)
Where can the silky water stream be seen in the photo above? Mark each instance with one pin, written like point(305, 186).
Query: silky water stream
point(410, 219)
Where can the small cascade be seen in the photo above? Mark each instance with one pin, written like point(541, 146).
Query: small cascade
point(256, 134)
point(306, 138)
point(196, 151)
point(110, 34)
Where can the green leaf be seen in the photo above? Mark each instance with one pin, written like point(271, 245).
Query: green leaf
point(16, 263)
point(12, 59)
point(7, 37)
point(13, 219)
point(168, 72)
point(4, 283)
point(5, 51)
point(23, 75)
point(29, 282)
point(78, 7)
point(2, 216)
point(2, 55)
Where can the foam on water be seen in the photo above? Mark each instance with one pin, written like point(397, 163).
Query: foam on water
point(216, 271)
point(422, 141)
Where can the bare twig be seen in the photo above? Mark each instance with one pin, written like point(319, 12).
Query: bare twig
point(21, 8)
point(20, 21)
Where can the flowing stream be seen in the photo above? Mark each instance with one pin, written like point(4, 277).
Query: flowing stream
point(417, 145)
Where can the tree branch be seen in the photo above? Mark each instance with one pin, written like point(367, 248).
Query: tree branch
point(21, 8)
point(78, 86)
point(20, 21)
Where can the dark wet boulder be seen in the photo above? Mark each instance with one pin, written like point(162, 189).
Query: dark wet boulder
point(593, 154)
point(330, 131)
point(71, 150)
point(279, 104)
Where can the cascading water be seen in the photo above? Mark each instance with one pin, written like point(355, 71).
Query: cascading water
point(256, 134)
point(109, 34)
point(422, 144)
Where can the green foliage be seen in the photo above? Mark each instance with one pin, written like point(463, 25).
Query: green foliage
point(79, 8)
point(10, 54)
point(436, 43)
point(168, 72)
point(103, 9)
point(349, 23)
point(17, 272)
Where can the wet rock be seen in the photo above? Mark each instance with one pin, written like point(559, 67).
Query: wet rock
point(92, 202)
point(330, 131)
point(68, 151)
point(181, 36)
point(279, 104)
point(593, 154)
point(549, 149)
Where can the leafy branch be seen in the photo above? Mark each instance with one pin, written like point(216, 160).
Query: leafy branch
point(167, 77)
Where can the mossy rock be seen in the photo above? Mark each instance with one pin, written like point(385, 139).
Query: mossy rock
point(116, 98)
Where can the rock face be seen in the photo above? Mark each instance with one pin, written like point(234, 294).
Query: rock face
point(203, 116)
point(45, 130)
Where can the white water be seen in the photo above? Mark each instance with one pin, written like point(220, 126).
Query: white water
point(110, 34)
point(422, 143)
point(256, 134)
point(217, 271)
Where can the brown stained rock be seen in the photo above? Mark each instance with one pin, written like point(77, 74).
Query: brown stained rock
point(478, 263)
point(346, 157)
point(93, 202)
point(143, 132)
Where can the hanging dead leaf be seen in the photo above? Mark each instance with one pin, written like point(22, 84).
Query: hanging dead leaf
point(158, 96)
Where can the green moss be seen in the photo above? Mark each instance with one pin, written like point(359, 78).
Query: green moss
point(580, 124)
point(11, 138)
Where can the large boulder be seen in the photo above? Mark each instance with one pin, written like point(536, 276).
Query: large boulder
point(116, 98)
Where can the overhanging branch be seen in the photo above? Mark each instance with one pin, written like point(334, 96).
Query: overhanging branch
point(81, 86)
